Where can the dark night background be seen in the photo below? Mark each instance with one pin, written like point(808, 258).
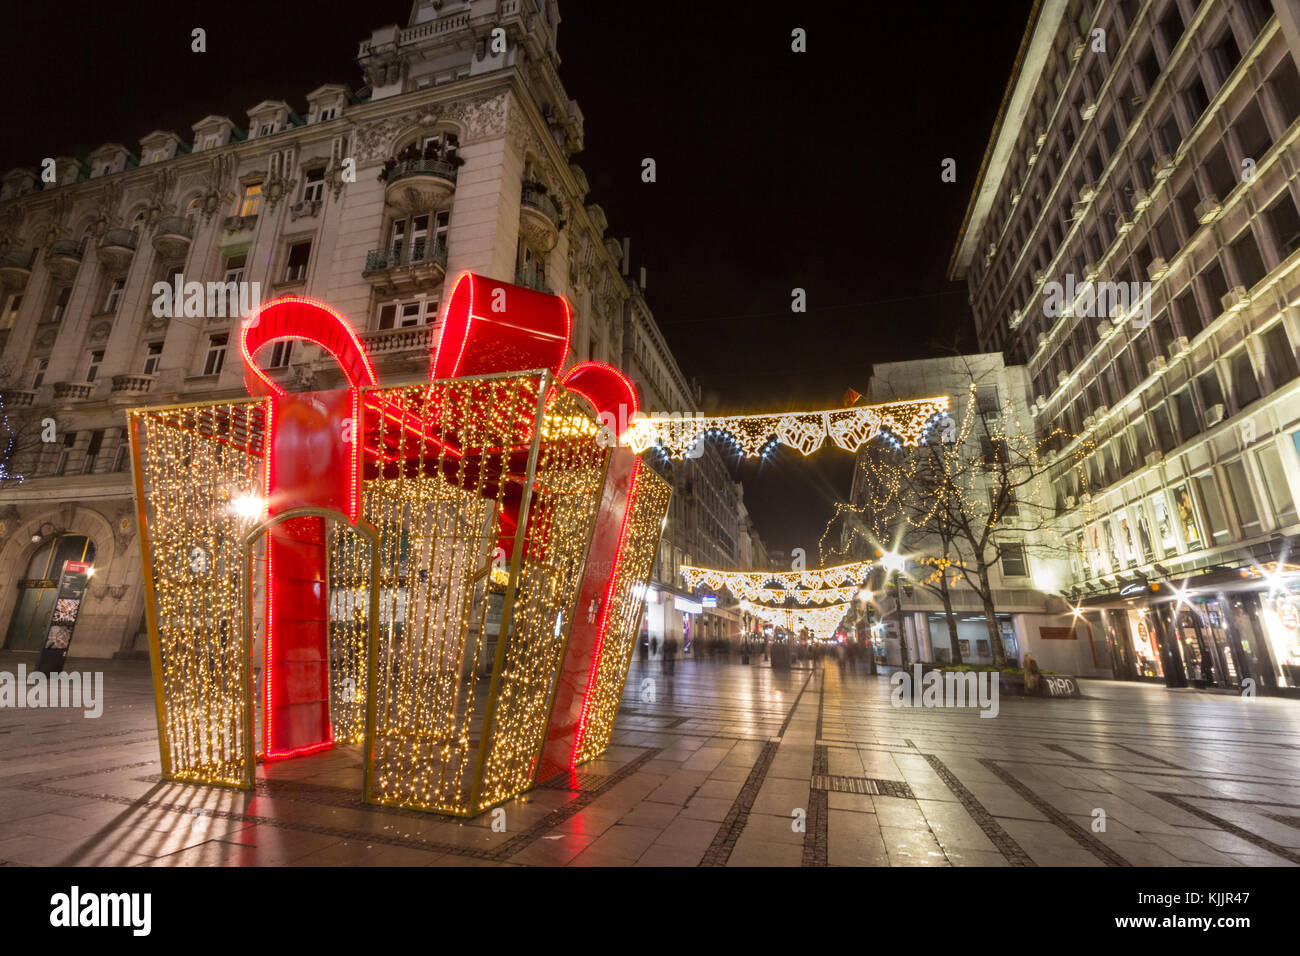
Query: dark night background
point(775, 170)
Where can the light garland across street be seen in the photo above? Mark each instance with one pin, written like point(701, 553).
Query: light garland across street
point(806, 432)
point(821, 621)
point(749, 585)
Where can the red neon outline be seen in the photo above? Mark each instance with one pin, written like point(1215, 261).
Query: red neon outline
point(254, 321)
point(581, 735)
point(567, 379)
point(446, 312)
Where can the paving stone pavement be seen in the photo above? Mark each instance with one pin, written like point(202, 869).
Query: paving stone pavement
point(727, 765)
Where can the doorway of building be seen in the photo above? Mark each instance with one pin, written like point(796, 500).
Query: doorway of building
point(36, 589)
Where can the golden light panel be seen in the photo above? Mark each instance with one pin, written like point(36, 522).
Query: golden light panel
point(806, 432)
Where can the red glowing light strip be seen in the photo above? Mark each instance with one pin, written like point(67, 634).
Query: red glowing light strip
point(354, 493)
point(358, 351)
point(604, 618)
point(303, 750)
point(469, 317)
point(567, 378)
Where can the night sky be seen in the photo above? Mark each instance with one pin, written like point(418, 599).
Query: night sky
point(775, 170)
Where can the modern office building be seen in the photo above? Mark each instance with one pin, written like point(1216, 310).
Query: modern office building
point(1133, 240)
point(456, 154)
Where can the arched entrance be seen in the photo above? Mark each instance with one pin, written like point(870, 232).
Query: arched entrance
point(36, 589)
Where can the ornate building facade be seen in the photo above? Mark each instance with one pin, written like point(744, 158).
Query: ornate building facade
point(456, 155)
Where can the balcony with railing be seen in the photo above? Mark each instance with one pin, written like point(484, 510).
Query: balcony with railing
point(540, 218)
point(531, 278)
point(18, 397)
point(411, 339)
point(117, 248)
point(64, 258)
point(16, 268)
point(409, 268)
point(128, 386)
point(69, 392)
point(173, 236)
point(418, 184)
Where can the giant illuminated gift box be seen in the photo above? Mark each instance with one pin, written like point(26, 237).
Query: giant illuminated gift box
point(449, 573)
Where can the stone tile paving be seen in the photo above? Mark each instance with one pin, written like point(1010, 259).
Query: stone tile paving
point(727, 765)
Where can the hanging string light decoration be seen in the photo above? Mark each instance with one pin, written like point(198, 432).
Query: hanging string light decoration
point(806, 432)
point(750, 585)
point(820, 621)
point(910, 489)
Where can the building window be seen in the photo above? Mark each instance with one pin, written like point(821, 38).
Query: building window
point(114, 296)
point(313, 188)
point(281, 355)
point(266, 129)
point(42, 366)
point(69, 441)
point(1013, 560)
point(1225, 54)
point(1189, 425)
point(152, 356)
point(1212, 505)
point(216, 358)
point(251, 199)
point(299, 256)
point(92, 451)
point(10, 314)
point(1207, 383)
point(1245, 387)
point(92, 366)
point(1285, 83)
point(327, 113)
point(1243, 497)
point(61, 304)
point(1164, 431)
point(1281, 502)
point(402, 315)
point(1250, 264)
point(1284, 223)
point(1279, 356)
point(234, 269)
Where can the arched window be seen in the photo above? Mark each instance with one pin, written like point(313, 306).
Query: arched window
point(192, 211)
point(137, 224)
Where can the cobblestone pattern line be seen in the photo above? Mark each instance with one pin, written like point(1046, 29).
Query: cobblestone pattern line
point(1000, 838)
point(1230, 827)
point(1069, 753)
point(1077, 833)
point(815, 847)
point(1152, 757)
point(724, 841)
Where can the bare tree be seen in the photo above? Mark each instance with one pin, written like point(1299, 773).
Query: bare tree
point(972, 494)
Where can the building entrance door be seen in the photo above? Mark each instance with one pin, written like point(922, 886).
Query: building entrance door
point(37, 588)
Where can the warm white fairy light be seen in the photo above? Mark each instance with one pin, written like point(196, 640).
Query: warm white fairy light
point(806, 432)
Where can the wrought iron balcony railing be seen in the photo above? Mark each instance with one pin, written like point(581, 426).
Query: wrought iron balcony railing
point(421, 167)
point(417, 253)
